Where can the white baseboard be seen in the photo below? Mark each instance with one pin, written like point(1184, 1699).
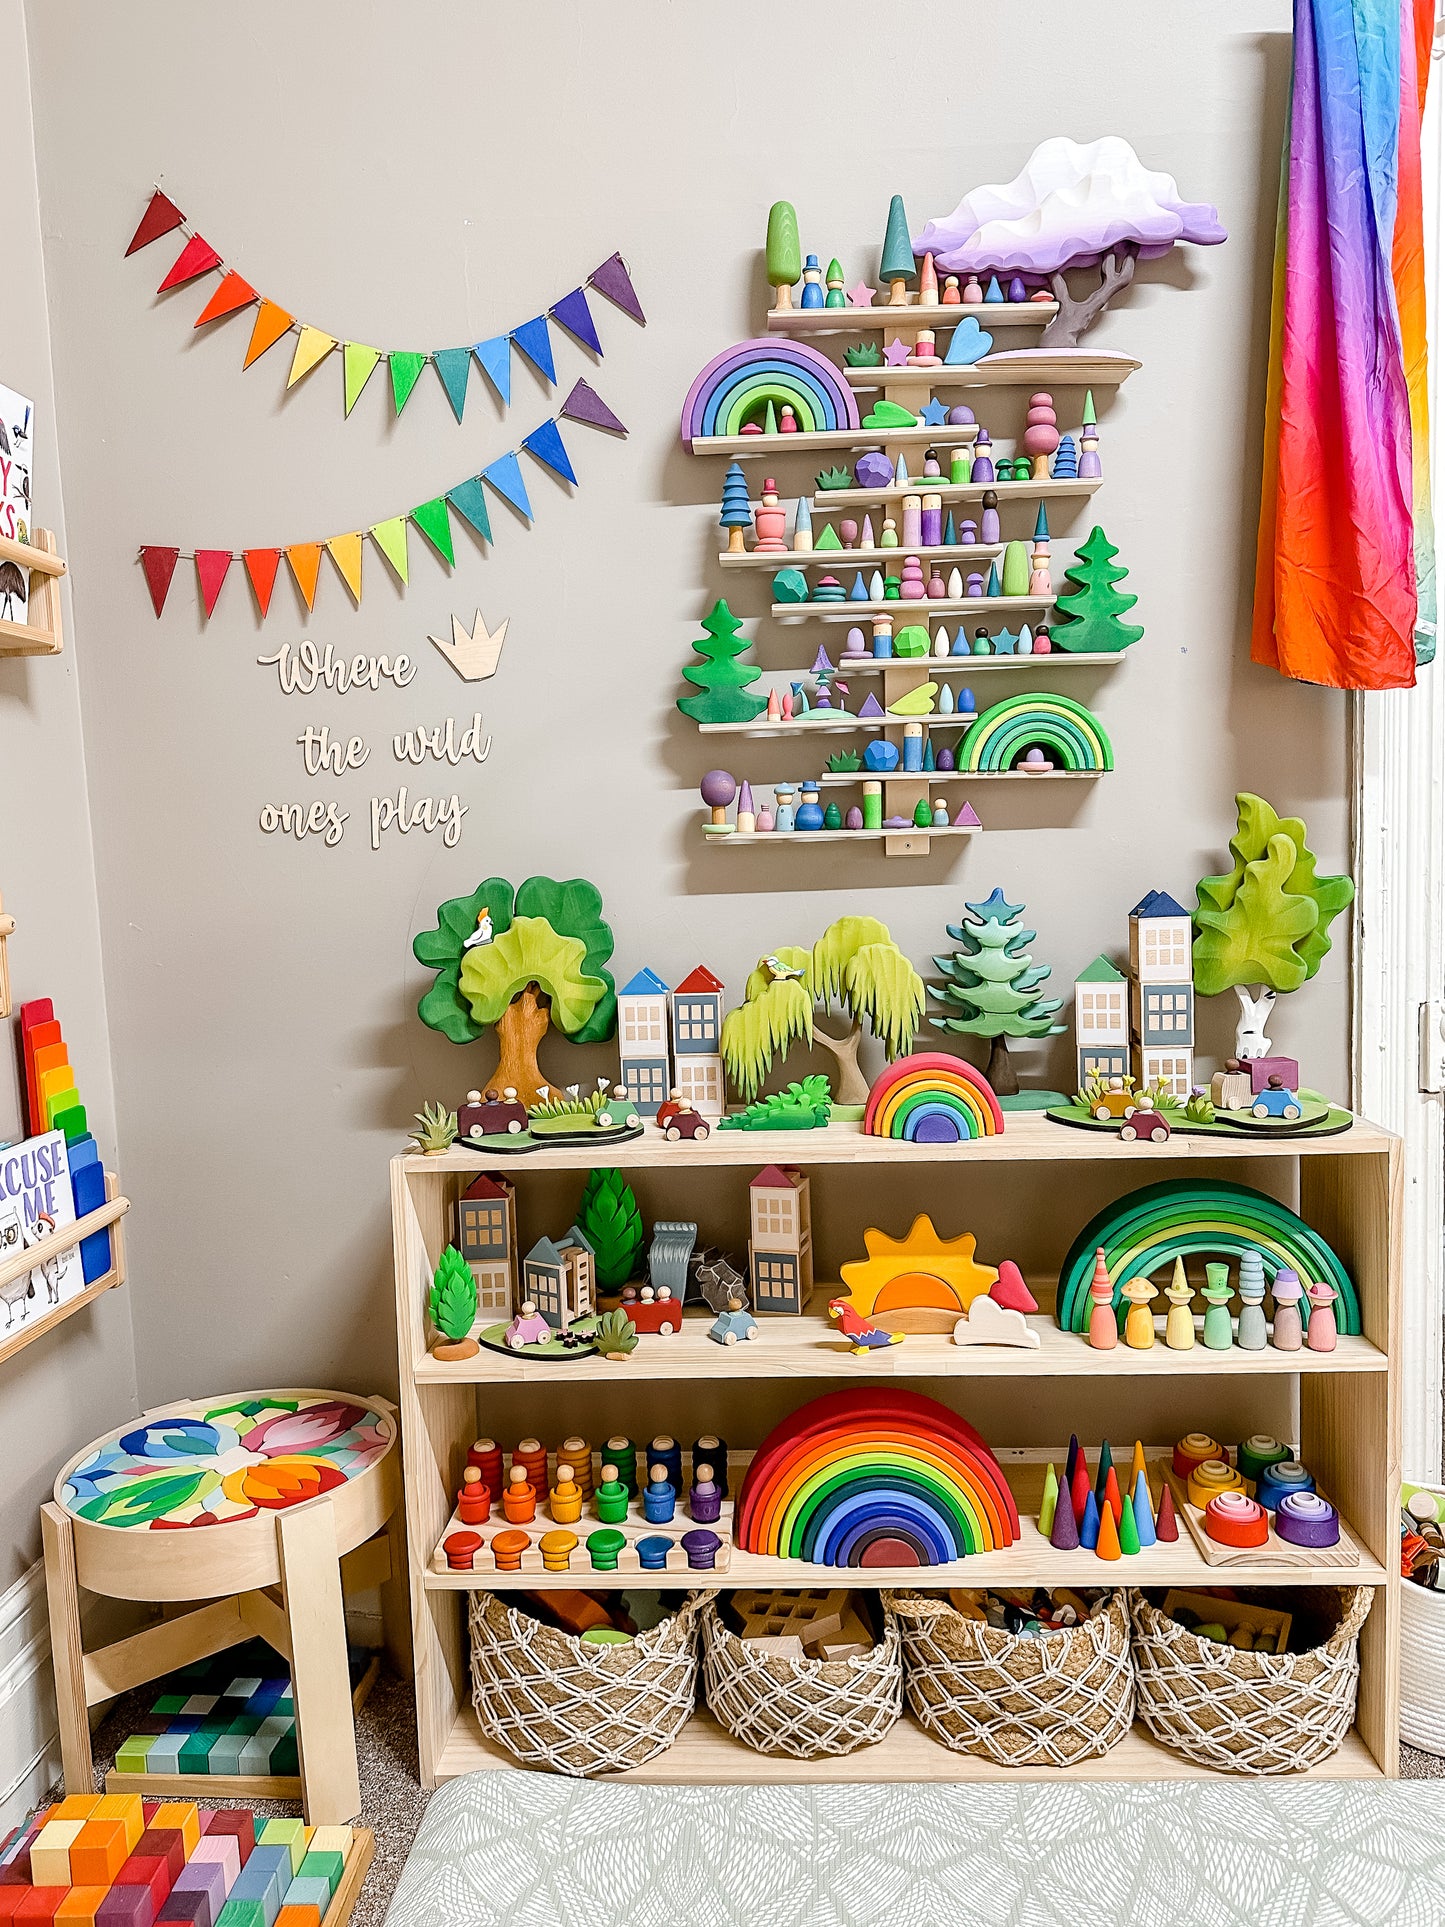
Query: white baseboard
point(29, 1742)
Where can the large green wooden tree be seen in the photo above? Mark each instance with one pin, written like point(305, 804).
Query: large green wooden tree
point(991, 979)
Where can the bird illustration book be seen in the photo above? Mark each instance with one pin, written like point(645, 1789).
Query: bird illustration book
point(16, 424)
point(36, 1201)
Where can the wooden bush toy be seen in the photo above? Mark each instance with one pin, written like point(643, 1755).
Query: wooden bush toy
point(452, 1307)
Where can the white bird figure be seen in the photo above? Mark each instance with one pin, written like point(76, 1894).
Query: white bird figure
point(483, 932)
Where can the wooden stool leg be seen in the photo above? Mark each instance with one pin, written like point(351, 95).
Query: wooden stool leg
point(325, 1732)
point(67, 1655)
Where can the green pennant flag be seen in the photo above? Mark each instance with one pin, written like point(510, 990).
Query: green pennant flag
point(431, 518)
point(470, 502)
point(453, 365)
point(390, 538)
point(405, 367)
point(358, 362)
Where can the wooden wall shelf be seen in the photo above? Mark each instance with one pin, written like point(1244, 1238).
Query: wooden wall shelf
point(811, 440)
point(909, 318)
point(43, 638)
point(107, 1217)
point(1017, 367)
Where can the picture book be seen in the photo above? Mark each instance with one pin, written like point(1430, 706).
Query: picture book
point(36, 1200)
point(16, 424)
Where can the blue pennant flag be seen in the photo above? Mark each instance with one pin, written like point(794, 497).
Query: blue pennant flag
point(533, 340)
point(547, 445)
point(470, 503)
point(505, 476)
point(496, 359)
point(453, 365)
point(575, 316)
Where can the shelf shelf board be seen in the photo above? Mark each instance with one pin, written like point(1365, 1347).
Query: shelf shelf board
point(786, 612)
point(768, 838)
point(1036, 367)
point(704, 1754)
point(42, 561)
point(836, 723)
point(825, 500)
point(832, 779)
point(805, 440)
point(845, 558)
point(909, 318)
point(960, 665)
point(105, 1217)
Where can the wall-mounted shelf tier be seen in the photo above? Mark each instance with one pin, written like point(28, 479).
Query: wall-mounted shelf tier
point(828, 499)
point(1016, 368)
point(819, 723)
point(907, 318)
point(776, 559)
point(917, 838)
point(105, 1217)
point(1055, 658)
point(932, 779)
point(941, 606)
point(42, 638)
point(803, 441)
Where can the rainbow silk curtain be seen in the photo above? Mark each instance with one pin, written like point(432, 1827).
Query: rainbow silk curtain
point(1345, 571)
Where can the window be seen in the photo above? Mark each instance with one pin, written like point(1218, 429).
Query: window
point(642, 1021)
point(776, 1279)
point(774, 1216)
point(1166, 947)
point(647, 1083)
point(695, 1021)
point(484, 1227)
point(700, 1080)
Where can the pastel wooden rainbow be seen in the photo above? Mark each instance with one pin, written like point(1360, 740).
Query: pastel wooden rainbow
point(931, 1098)
point(743, 379)
point(874, 1478)
point(1143, 1232)
point(1004, 731)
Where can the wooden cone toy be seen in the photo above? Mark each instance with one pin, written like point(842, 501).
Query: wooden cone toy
point(1050, 1501)
point(1064, 1534)
point(1166, 1526)
point(1143, 1511)
point(1128, 1531)
point(1107, 1546)
point(1113, 1501)
point(1137, 1464)
point(1091, 1526)
point(1081, 1491)
point(1071, 1462)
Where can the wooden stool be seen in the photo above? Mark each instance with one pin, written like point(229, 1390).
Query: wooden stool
point(292, 1497)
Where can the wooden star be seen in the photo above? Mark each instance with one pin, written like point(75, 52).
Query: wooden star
point(933, 414)
point(861, 295)
point(895, 354)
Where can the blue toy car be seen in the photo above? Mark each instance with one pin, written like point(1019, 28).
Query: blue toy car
point(1276, 1100)
point(729, 1326)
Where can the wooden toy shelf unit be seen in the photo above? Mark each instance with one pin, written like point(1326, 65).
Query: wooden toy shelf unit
point(45, 568)
point(1342, 1406)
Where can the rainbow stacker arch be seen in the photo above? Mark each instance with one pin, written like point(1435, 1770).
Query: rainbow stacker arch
point(874, 1478)
point(932, 1098)
point(740, 382)
point(1004, 731)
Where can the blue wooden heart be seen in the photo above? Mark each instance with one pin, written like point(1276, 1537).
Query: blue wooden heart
point(969, 344)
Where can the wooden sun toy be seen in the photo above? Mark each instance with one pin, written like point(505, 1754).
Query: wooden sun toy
point(920, 1283)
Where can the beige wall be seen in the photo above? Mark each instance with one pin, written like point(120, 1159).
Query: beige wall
point(431, 175)
point(66, 1387)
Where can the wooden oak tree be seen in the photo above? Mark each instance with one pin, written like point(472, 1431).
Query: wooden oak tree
point(785, 254)
point(991, 979)
point(856, 965)
point(1262, 928)
point(722, 679)
point(520, 961)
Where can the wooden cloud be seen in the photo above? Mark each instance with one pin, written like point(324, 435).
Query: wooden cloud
point(919, 1283)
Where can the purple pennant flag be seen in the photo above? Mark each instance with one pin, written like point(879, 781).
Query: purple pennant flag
point(584, 404)
point(613, 281)
point(575, 316)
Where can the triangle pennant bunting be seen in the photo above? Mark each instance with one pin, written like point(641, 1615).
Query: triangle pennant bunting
point(160, 217)
point(270, 324)
point(405, 367)
point(432, 519)
point(346, 554)
point(159, 565)
point(575, 316)
point(390, 538)
point(584, 404)
point(505, 476)
point(211, 567)
point(312, 346)
point(196, 257)
point(533, 340)
point(454, 365)
point(261, 566)
point(614, 282)
point(358, 361)
point(547, 445)
point(470, 502)
point(496, 359)
point(232, 293)
point(305, 560)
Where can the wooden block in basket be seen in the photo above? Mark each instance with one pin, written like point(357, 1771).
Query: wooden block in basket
point(1275, 1552)
point(1231, 1614)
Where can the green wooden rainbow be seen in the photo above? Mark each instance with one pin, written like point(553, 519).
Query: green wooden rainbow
point(1004, 731)
point(1184, 1217)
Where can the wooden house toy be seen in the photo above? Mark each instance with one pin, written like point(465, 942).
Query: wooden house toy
point(1101, 1021)
point(780, 1247)
point(642, 1038)
point(1162, 993)
point(697, 1016)
point(560, 1279)
point(487, 1239)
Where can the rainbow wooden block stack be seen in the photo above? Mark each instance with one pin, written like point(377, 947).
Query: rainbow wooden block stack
point(118, 1861)
point(53, 1103)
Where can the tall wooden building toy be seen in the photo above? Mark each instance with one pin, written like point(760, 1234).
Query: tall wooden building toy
point(697, 1016)
point(642, 1037)
point(1162, 993)
point(780, 1245)
point(487, 1239)
point(1101, 1021)
point(560, 1279)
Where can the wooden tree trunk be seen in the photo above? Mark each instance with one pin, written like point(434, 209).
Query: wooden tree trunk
point(520, 1029)
point(1075, 318)
point(851, 1086)
point(1001, 1073)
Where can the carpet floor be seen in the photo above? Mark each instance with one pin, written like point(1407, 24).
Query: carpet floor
point(392, 1801)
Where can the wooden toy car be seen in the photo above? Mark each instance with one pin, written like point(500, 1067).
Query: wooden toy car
point(1276, 1100)
point(676, 1120)
point(1143, 1122)
point(731, 1325)
point(1115, 1100)
point(529, 1327)
point(1231, 1089)
point(619, 1110)
point(653, 1311)
point(492, 1116)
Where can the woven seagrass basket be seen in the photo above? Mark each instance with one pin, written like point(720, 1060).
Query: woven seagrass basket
point(1051, 1701)
point(1422, 1667)
point(1251, 1712)
point(803, 1707)
point(552, 1700)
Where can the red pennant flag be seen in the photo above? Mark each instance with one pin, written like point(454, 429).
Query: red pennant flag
point(160, 566)
point(211, 567)
point(194, 258)
point(231, 294)
point(261, 566)
point(159, 218)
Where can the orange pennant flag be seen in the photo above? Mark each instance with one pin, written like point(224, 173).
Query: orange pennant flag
point(261, 566)
point(271, 323)
point(233, 293)
point(346, 554)
point(305, 560)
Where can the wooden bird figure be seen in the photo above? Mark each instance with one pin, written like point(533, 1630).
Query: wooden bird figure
point(862, 1336)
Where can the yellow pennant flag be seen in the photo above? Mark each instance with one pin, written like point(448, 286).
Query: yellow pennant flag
point(390, 538)
point(311, 346)
point(346, 554)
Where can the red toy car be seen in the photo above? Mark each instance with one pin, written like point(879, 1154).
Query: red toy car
point(491, 1116)
point(1145, 1123)
point(652, 1311)
point(677, 1120)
